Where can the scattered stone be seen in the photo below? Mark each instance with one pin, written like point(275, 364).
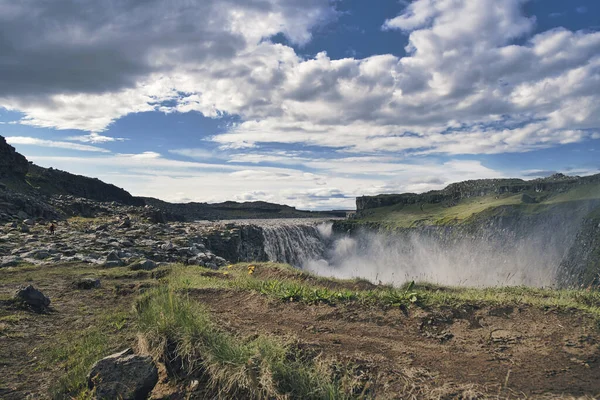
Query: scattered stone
point(113, 260)
point(145, 265)
point(10, 261)
point(22, 215)
point(123, 375)
point(32, 297)
point(29, 222)
point(25, 228)
point(87, 283)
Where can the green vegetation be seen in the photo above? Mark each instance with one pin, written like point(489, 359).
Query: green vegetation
point(296, 286)
point(181, 333)
point(76, 352)
point(448, 213)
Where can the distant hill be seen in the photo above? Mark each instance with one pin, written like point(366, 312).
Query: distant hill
point(233, 210)
point(461, 201)
point(27, 187)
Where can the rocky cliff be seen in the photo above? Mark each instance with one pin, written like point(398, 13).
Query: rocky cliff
point(581, 266)
point(50, 181)
point(477, 188)
point(11, 162)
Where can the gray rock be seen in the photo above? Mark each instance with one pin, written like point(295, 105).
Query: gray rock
point(145, 265)
point(113, 256)
point(124, 376)
point(22, 215)
point(32, 297)
point(25, 228)
point(101, 228)
point(87, 283)
point(39, 254)
point(112, 264)
point(167, 246)
point(29, 222)
point(10, 261)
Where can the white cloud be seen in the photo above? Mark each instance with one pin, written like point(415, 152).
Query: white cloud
point(462, 69)
point(329, 186)
point(464, 87)
point(29, 141)
point(95, 138)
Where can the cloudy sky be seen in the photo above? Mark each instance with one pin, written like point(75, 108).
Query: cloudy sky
point(308, 103)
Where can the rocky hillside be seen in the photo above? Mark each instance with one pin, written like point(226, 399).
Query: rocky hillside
point(233, 210)
point(11, 162)
point(456, 192)
point(31, 191)
point(538, 232)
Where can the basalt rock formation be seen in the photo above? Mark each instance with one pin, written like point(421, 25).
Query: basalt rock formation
point(476, 188)
point(11, 162)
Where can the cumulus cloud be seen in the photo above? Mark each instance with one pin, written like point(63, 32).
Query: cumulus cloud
point(150, 174)
point(475, 79)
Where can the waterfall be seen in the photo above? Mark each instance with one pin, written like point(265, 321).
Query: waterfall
point(295, 243)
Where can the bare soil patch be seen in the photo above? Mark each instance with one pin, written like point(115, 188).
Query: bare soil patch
point(26, 336)
point(506, 351)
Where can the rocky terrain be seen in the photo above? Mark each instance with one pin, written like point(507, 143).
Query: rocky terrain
point(454, 193)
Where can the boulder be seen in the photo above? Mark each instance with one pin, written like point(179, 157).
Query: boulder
point(113, 260)
point(32, 297)
point(125, 224)
point(87, 283)
point(145, 265)
point(123, 375)
point(29, 222)
point(10, 261)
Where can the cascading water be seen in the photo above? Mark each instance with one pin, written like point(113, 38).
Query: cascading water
point(296, 243)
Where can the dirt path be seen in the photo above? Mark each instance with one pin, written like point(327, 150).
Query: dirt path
point(26, 337)
point(514, 352)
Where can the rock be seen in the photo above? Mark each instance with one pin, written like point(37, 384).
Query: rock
point(32, 297)
point(22, 215)
point(145, 265)
point(25, 228)
point(167, 246)
point(101, 227)
point(10, 261)
point(527, 199)
point(124, 376)
point(87, 283)
point(125, 224)
point(113, 260)
point(29, 222)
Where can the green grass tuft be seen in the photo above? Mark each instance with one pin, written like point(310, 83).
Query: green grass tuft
point(181, 333)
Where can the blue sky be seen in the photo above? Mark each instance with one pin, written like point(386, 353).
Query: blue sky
point(305, 103)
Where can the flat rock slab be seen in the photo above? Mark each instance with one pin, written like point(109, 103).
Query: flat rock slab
point(123, 375)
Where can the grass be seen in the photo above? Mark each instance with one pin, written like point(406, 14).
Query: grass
point(181, 333)
point(312, 289)
point(77, 351)
point(408, 216)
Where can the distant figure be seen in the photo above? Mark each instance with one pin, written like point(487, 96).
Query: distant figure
point(422, 205)
point(52, 228)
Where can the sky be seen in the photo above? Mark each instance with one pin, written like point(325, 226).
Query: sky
point(307, 103)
